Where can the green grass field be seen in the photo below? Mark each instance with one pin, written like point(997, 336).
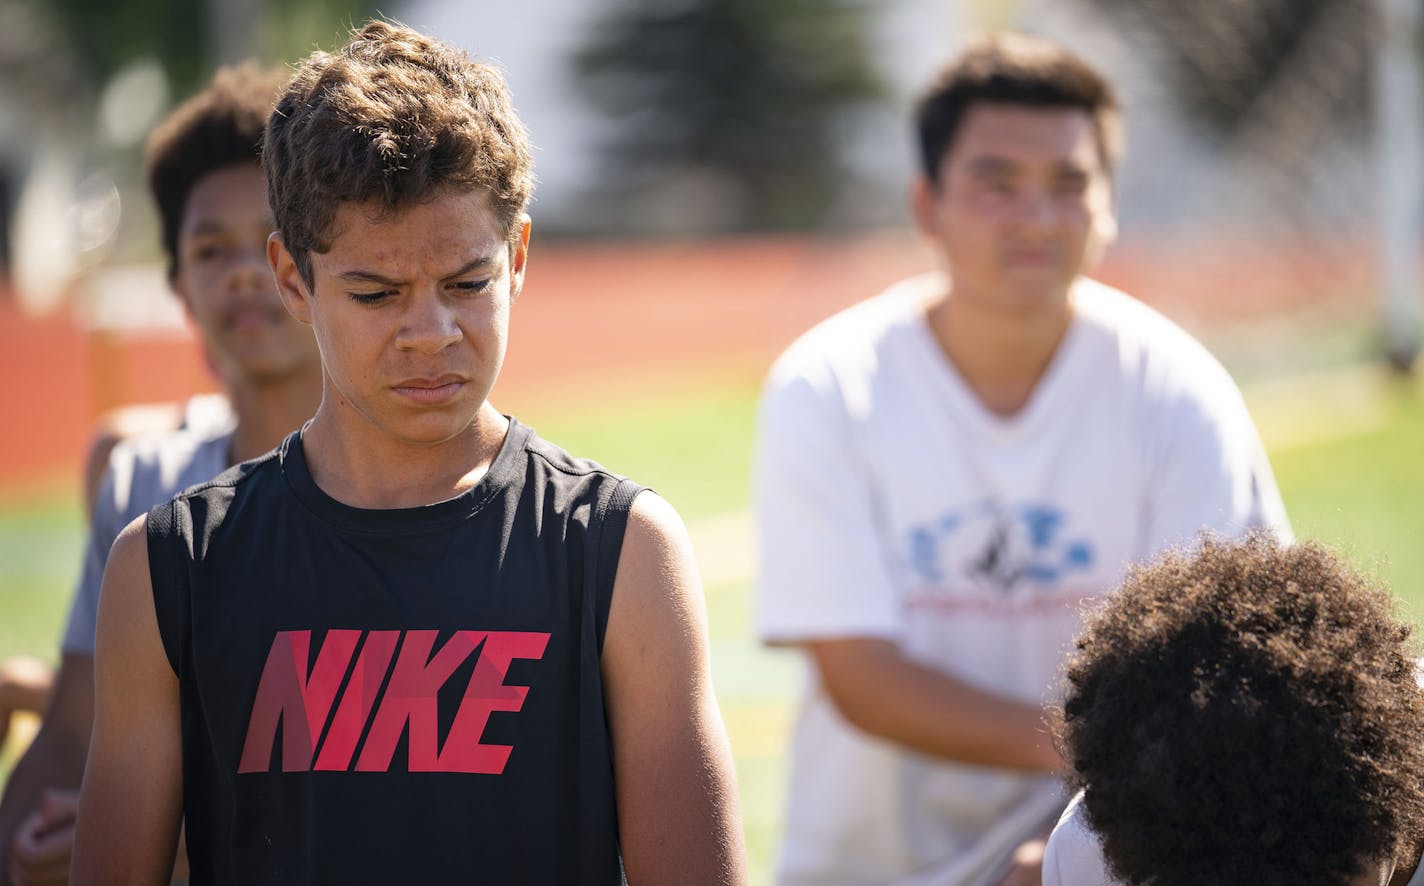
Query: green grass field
point(1346, 445)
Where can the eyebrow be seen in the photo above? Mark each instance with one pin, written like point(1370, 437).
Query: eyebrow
point(357, 275)
point(992, 165)
point(209, 226)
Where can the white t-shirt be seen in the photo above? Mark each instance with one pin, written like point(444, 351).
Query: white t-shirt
point(892, 504)
point(1074, 856)
point(143, 471)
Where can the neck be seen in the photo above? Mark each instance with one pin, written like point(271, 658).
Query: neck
point(268, 412)
point(1001, 353)
point(360, 465)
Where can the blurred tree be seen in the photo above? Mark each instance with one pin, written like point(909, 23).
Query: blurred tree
point(290, 30)
point(81, 82)
point(36, 59)
point(185, 35)
point(106, 34)
point(1235, 62)
point(1275, 84)
point(727, 110)
point(1280, 83)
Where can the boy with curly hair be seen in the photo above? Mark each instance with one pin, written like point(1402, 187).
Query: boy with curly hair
point(416, 643)
point(1245, 714)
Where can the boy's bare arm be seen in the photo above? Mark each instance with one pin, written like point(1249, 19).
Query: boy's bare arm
point(677, 797)
point(887, 694)
point(131, 803)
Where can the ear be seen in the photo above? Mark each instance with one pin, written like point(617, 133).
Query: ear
point(290, 285)
point(924, 205)
point(519, 258)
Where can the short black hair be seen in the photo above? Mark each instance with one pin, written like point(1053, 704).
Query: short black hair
point(1014, 68)
point(1248, 713)
point(219, 127)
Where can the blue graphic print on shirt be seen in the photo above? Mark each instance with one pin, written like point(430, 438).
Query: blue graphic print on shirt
point(1001, 549)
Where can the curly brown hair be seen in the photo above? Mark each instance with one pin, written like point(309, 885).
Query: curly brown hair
point(1015, 68)
point(1247, 713)
point(219, 127)
point(392, 119)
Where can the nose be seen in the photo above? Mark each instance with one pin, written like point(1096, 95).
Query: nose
point(1036, 211)
point(249, 270)
point(429, 325)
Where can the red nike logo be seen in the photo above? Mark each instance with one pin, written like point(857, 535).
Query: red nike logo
point(301, 701)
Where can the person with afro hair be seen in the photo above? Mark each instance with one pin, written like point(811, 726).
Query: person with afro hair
point(1246, 713)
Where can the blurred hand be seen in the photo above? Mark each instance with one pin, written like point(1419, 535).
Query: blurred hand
point(1026, 869)
point(25, 684)
point(41, 848)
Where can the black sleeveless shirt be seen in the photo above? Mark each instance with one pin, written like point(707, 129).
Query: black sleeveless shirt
point(394, 696)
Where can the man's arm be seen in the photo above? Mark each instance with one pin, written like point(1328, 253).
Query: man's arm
point(883, 692)
point(55, 759)
point(677, 797)
point(131, 803)
point(825, 586)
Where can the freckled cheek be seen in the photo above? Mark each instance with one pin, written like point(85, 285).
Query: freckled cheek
point(488, 329)
point(350, 352)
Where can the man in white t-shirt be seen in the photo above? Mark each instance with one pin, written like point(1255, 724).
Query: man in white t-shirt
point(946, 471)
point(1245, 713)
point(206, 178)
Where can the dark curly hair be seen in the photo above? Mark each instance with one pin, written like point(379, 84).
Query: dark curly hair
point(1014, 68)
point(392, 119)
point(219, 127)
point(1247, 714)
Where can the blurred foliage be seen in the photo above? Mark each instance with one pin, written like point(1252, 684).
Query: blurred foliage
point(106, 34)
point(293, 30)
point(745, 96)
point(58, 58)
point(1233, 63)
point(35, 58)
point(99, 37)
